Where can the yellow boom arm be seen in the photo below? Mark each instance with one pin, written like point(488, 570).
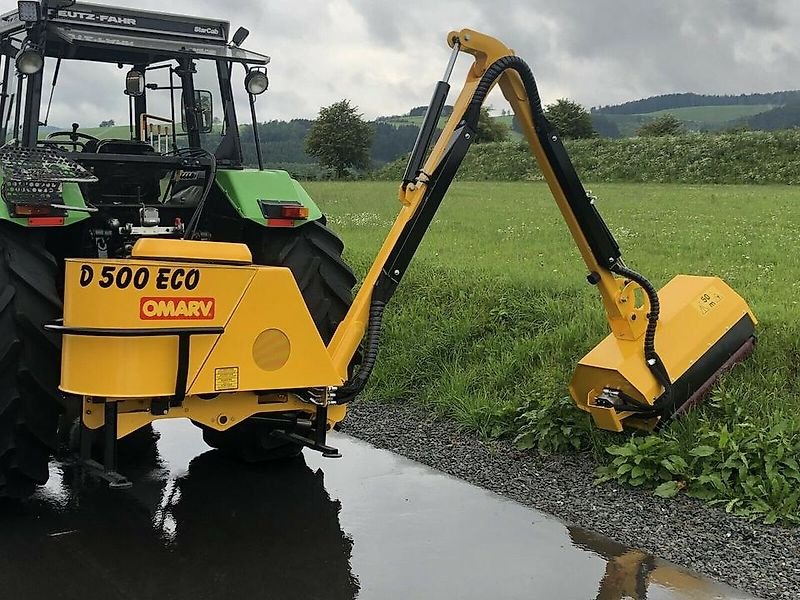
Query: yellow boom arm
point(625, 377)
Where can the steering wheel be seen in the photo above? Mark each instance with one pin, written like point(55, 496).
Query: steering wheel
point(74, 136)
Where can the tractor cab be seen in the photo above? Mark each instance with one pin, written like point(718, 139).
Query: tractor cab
point(168, 76)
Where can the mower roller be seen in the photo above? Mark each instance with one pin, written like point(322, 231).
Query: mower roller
point(193, 287)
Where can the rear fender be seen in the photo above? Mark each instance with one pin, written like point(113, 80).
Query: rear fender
point(246, 188)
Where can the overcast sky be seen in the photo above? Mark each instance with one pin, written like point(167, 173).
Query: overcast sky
point(386, 56)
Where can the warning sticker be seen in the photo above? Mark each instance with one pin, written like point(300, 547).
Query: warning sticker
point(708, 300)
point(226, 378)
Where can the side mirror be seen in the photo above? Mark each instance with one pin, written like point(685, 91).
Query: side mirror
point(134, 83)
point(204, 103)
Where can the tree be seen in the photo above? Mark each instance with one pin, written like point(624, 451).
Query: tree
point(109, 123)
point(490, 129)
point(571, 120)
point(340, 139)
point(666, 124)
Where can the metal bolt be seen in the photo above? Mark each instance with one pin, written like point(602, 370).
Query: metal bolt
point(88, 412)
point(554, 138)
point(397, 271)
point(467, 136)
point(222, 419)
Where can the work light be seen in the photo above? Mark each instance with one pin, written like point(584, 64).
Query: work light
point(256, 82)
point(28, 11)
point(29, 60)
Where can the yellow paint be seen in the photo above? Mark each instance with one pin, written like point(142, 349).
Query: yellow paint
point(271, 343)
point(485, 50)
point(222, 252)
point(271, 350)
point(221, 413)
point(146, 366)
point(683, 335)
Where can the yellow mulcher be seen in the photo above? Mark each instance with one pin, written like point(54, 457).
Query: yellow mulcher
point(195, 329)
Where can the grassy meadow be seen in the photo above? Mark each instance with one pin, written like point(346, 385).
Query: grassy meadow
point(495, 312)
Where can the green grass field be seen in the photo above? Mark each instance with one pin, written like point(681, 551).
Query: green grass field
point(495, 312)
point(715, 114)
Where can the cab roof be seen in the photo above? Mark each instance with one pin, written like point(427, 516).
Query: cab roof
point(102, 33)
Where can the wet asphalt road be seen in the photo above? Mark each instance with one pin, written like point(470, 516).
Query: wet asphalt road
point(369, 525)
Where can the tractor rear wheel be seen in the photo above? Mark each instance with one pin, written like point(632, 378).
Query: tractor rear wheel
point(30, 402)
point(314, 255)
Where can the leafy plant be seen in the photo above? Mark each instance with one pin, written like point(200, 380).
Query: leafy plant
point(752, 471)
point(553, 426)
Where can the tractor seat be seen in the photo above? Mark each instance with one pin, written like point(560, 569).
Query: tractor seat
point(120, 181)
point(114, 146)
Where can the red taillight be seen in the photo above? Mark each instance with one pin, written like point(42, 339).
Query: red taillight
point(45, 221)
point(280, 223)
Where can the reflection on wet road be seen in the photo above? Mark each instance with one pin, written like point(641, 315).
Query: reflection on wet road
point(371, 525)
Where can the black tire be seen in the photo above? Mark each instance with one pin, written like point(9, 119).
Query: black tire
point(30, 402)
point(314, 255)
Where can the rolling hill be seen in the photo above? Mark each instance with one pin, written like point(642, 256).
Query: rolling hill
point(700, 112)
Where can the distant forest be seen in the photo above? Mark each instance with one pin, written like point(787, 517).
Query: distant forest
point(686, 100)
point(782, 117)
point(283, 142)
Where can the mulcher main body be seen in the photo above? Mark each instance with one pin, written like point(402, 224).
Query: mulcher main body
point(195, 288)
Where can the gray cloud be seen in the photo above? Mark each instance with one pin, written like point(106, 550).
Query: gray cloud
point(386, 56)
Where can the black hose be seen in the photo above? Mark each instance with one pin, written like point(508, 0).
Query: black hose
point(194, 221)
point(371, 344)
point(356, 384)
point(491, 75)
point(653, 360)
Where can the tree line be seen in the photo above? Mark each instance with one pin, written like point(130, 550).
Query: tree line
point(342, 142)
point(686, 100)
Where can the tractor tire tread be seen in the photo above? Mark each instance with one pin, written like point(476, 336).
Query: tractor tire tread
point(30, 403)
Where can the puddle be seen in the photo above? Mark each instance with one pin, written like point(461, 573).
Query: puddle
point(369, 525)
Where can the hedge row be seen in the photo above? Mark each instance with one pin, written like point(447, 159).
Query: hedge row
point(758, 157)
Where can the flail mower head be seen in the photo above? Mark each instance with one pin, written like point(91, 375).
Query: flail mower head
point(704, 328)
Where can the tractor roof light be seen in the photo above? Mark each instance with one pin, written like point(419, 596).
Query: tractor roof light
point(29, 60)
point(256, 82)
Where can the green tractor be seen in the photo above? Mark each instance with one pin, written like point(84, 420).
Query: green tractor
point(176, 170)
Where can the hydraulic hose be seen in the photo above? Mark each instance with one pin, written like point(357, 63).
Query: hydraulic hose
point(652, 359)
point(600, 239)
point(372, 341)
point(194, 221)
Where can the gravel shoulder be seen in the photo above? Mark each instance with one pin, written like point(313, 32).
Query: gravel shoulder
point(763, 560)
